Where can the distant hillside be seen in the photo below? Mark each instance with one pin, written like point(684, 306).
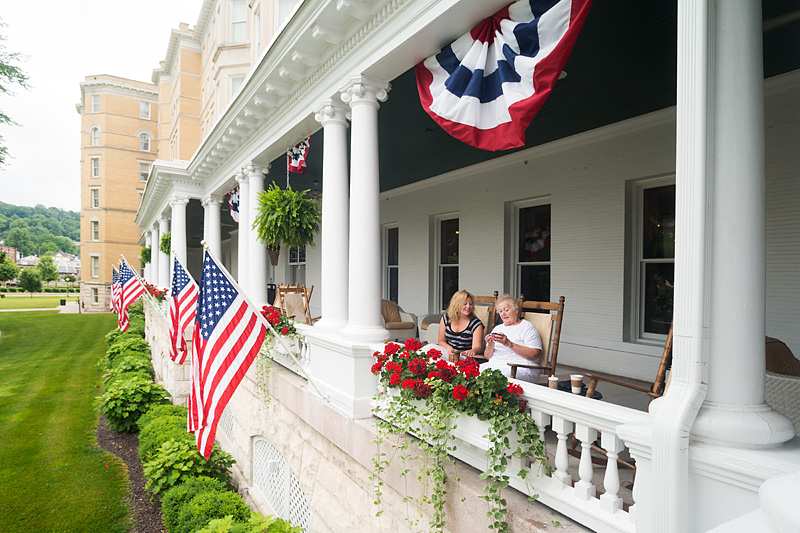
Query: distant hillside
point(39, 230)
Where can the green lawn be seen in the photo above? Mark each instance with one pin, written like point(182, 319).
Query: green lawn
point(20, 301)
point(53, 477)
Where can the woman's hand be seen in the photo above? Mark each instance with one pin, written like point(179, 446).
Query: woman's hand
point(502, 339)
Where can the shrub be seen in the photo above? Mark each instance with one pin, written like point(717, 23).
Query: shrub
point(112, 380)
point(131, 362)
point(157, 411)
point(136, 310)
point(126, 399)
point(206, 506)
point(128, 344)
point(136, 326)
point(257, 524)
point(159, 431)
point(178, 460)
point(109, 363)
point(178, 496)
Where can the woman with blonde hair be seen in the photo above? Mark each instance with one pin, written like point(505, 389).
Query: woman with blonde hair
point(513, 341)
point(460, 330)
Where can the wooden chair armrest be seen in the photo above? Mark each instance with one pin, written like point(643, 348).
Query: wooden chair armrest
point(514, 367)
point(594, 379)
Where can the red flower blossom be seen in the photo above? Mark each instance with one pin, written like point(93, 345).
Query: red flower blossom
point(422, 389)
point(394, 379)
point(433, 375)
point(409, 383)
point(434, 354)
point(418, 366)
point(391, 366)
point(514, 389)
point(284, 331)
point(447, 374)
point(412, 345)
point(376, 368)
point(460, 393)
point(440, 364)
point(470, 371)
point(391, 348)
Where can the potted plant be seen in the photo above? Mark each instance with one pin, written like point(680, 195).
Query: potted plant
point(286, 217)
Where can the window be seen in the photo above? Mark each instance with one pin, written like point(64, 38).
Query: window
point(297, 266)
point(236, 84)
point(95, 266)
point(655, 272)
point(392, 263)
point(95, 162)
point(95, 230)
point(95, 296)
point(144, 142)
point(95, 197)
point(447, 260)
point(283, 8)
point(532, 258)
point(144, 171)
point(144, 110)
point(95, 134)
point(238, 21)
point(95, 103)
point(257, 31)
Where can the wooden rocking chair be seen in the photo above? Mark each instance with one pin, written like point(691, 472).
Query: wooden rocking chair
point(293, 301)
point(548, 324)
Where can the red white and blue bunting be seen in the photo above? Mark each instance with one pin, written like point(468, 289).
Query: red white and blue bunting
point(485, 88)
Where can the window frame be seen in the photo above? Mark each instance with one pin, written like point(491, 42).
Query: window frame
point(94, 230)
point(257, 30)
point(233, 91)
point(387, 268)
point(143, 177)
point(439, 304)
point(296, 270)
point(144, 141)
point(516, 264)
point(94, 262)
point(94, 197)
point(94, 136)
point(94, 102)
point(238, 25)
point(144, 110)
point(94, 167)
point(95, 296)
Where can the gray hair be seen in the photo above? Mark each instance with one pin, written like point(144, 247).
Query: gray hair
point(512, 302)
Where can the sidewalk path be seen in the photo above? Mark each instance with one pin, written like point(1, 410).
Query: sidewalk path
point(71, 307)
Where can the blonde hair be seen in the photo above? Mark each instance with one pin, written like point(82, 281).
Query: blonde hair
point(457, 300)
point(512, 302)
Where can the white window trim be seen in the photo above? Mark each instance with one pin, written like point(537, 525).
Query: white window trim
point(142, 114)
point(149, 141)
point(94, 99)
point(92, 258)
point(637, 277)
point(149, 168)
point(233, 24)
point(437, 253)
point(92, 130)
point(92, 192)
point(95, 222)
point(516, 265)
point(92, 167)
point(231, 90)
point(385, 258)
point(300, 264)
point(95, 295)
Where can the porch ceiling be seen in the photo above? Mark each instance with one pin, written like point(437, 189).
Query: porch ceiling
point(623, 65)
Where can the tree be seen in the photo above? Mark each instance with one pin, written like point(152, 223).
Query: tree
point(30, 281)
point(47, 269)
point(8, 270)
point(10, 75)
point(22, 240)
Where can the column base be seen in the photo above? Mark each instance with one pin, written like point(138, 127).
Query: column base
point(365, 333)
point(741, 426)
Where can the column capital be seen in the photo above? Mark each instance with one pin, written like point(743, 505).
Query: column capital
point(178, 199)
point(210, 200)
point(241, 177)
point(362, 90)
point(331, 112)
point(257, 170)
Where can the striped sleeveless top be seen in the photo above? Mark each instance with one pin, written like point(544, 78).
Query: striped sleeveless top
point(462, 340)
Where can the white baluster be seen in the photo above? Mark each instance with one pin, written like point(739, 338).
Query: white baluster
point(584, 489)
point(562, 428)
point(610, 501)
point(542, 420)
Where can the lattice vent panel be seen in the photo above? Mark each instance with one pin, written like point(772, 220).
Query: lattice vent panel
point(273, 477)
point(226, 422)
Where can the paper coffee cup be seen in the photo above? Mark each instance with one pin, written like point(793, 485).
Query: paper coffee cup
point(552, 382)
point(576, 380)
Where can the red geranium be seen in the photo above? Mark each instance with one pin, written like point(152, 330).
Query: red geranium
point(460, 393)
point(394, 379)
point(417, 366)
point(514, 389)
point(376, 368)
point(412, 345)
point(391, 348)
point(447, 374)
point(434, 354)
point(409, 383)
point(422, 389)
point(391, 366)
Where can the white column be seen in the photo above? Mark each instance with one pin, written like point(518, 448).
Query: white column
point(244, 230)
point(163, 259)
point(335, 212)
point(734, 412)
point(364, 302)
point(155, 239)
point(178, 242)
point(212, 226)
point(148, 242)
point(256, 251)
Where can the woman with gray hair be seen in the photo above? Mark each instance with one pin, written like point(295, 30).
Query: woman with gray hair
point(513, 341)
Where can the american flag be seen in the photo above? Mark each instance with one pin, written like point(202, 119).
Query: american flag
point(115, 290)
point(228, 332)
point(296, 156)
point(485, 87)
point(131, 289)
point(233, 202)
point(182, 310)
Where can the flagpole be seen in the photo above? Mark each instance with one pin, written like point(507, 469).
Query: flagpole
point(265, 322)
point(152, 300)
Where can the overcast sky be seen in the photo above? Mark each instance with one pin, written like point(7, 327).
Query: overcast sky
point(64, 42)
